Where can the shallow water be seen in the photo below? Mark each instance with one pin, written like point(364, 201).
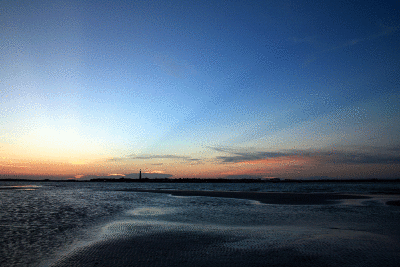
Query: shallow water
point(52, 223)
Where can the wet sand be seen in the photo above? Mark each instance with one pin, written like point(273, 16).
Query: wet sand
point(184, 249)
point(161, 243)
point(393, 203)
point(281, 198)
point(164, 245)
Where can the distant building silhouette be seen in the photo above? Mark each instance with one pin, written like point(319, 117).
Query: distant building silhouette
point(140, 174)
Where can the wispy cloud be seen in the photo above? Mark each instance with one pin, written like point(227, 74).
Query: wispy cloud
point(240, 157)
point(195, 161)
point(237, 155)
point(157, 157)
point(374, 156)
point(116, 159)
point(385, 31)
point(150, 157)
point(360, 158)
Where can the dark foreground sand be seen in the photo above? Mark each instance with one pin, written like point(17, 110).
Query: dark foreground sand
point(230, 247)
point(158, 243)
point(188, 249)
point(265, 197)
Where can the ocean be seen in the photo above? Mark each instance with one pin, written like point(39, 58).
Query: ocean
point(78, 223)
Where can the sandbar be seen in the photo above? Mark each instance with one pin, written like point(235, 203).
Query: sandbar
point(283, 198)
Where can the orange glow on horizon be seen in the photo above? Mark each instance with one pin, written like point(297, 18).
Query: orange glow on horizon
point(282, 167)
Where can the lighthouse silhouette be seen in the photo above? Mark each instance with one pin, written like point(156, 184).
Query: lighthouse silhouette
point(140, 174)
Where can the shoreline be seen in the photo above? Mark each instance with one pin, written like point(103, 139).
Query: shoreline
point(203, 180)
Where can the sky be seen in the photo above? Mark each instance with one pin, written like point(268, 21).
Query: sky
point(200, 89)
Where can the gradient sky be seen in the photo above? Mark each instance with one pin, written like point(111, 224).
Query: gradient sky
point(289, 89)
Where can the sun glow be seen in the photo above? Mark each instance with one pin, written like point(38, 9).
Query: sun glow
point(78, 162)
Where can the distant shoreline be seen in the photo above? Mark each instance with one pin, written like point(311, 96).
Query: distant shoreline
point(199, 180)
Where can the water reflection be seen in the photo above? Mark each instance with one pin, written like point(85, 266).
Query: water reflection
point(151, 211)
point(20, 187)
point(163, 243)
point(60, 220)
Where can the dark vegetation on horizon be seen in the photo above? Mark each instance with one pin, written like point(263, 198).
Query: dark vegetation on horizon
point(201, 180)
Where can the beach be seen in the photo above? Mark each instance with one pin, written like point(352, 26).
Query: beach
point(148, 241)
point(257, 247)
point(119, 224)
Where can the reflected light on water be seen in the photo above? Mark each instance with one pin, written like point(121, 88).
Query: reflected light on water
point(20, 187)
point(151, 211)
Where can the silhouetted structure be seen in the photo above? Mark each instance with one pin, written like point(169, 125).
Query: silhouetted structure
point(140, 174)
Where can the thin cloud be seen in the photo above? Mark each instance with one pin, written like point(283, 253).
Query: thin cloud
point(185, 158)
point(116, 159)
point(241, 157)
point(195, 161)
point(158, 157)
point(223, 149)
point(133, 156)
point(335, 157)
point(385, 31)
point(359, 158)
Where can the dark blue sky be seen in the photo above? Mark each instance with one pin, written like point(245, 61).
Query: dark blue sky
point(103, 80)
